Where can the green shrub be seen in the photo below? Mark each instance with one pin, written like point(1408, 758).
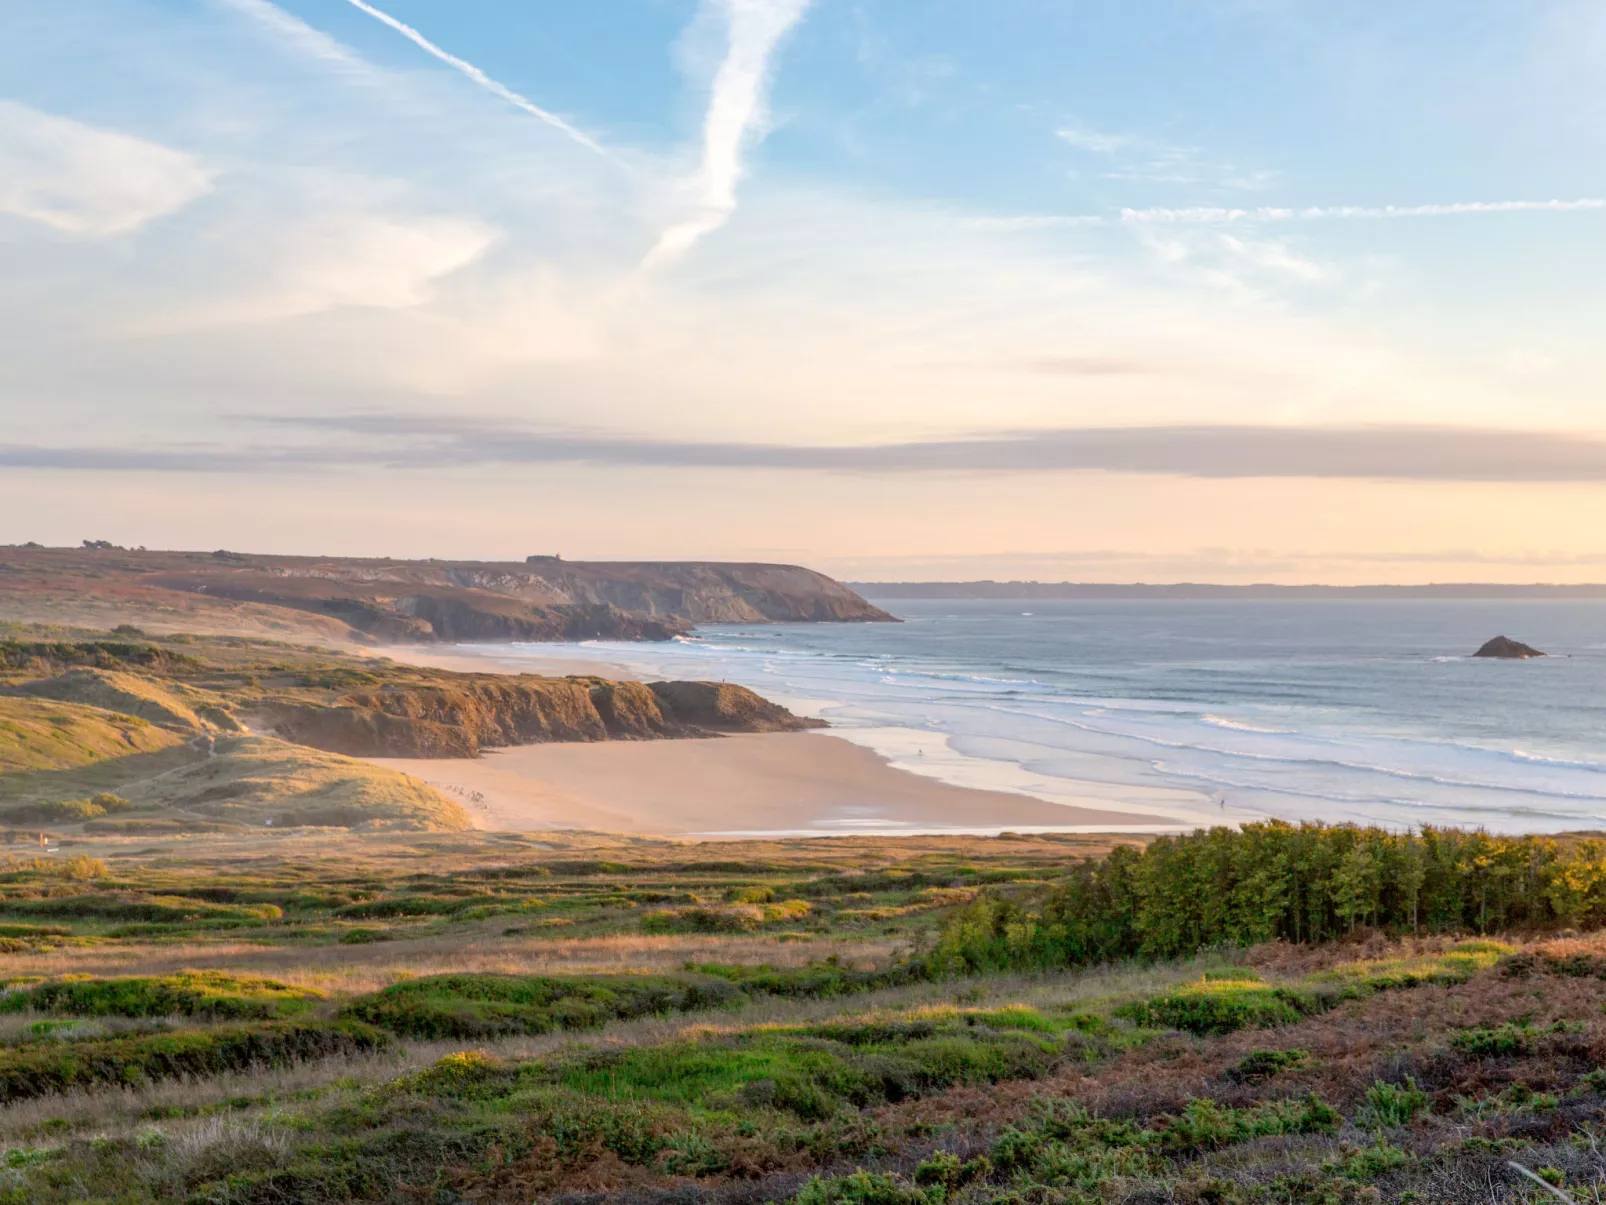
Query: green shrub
point(817, 981)
point(34, 931)
point(866, 1188)
point(363, 937)
point(1369, 1162)
point(42, 1068)
point(409, 905)
point(951, 1172)
point(1389, 1105)
point(810, 1072)
point(1212, 1007)
point(130, 906)
point(213, 995)
point(1205, 1125)
point(485, 1005)
point(1503, 1041)
point(1260, 1065)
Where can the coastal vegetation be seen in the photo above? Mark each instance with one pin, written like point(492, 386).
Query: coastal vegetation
point(463, 1017)
point(1275, 881)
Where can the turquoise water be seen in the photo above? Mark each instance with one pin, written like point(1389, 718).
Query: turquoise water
point(1187, 711)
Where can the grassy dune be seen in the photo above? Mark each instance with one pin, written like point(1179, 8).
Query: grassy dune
point(41, 734)
point(165, 703)
point(255, 780)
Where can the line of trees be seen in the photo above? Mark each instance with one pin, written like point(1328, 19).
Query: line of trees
point(1274, 880)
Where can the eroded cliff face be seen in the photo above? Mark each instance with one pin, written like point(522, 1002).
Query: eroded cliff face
point(383, 601)
point(461, 719)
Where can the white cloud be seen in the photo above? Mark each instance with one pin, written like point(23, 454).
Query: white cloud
point(736, 114)
point(1275, 257)
point(89, 182)
point(296, 34)
point(1154, 161)
point(1100, 143)
point(1213, 215)
point(1216, 215)
point(334, 260)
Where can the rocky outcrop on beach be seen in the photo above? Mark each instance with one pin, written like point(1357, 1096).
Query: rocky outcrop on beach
point(1505, 648)
point(380, 600)
point(461, 718)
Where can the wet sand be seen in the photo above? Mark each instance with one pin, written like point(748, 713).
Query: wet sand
point(773, 783)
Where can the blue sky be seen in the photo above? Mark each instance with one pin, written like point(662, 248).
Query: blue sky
point(773, 278)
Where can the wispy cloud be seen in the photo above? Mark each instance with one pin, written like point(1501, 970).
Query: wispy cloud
point(736, 115)
point(1402, 453)
point(341, 258)
point(1153, 160)
point(298, 35)
point(483, 80)
point(89, 182)
point(1211, 215)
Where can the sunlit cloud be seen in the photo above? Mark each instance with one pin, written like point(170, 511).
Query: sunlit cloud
point(90, 182)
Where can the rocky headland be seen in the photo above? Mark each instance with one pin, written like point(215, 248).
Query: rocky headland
point(381, 600)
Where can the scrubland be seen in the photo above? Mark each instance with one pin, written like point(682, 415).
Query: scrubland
point(327, 1016)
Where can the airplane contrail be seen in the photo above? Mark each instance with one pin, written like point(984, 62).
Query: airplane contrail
point(735, 109)
point(485, 81)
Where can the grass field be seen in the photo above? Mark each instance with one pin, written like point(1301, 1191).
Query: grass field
point(331, 1017)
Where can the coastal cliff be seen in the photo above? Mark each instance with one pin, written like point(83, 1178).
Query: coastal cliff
point(381, 600)
point(461, 715)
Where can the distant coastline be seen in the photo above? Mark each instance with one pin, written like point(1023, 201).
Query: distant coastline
point(1204, 590)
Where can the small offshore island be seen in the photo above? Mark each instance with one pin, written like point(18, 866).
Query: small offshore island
point(1504, 648)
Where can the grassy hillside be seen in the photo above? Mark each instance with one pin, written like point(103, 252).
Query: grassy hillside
point(255, 780)
point(479, 1018)
point(37, 734)
point(165, 702)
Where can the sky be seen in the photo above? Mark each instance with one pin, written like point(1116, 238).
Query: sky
point(1102, 290)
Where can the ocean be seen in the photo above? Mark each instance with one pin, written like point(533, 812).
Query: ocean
point(1201, 712)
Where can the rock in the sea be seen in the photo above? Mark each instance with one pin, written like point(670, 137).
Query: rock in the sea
point(1504, 646)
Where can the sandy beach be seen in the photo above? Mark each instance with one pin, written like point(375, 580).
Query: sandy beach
point(772, 784)
point(795, 782)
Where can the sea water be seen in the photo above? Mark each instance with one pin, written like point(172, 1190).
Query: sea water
point(1189, 712)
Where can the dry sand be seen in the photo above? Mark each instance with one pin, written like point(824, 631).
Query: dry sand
point(794, 782)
